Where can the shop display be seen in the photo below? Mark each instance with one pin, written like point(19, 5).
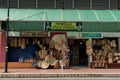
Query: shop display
point(99, 59)
point(106, 56)
point(55, 56)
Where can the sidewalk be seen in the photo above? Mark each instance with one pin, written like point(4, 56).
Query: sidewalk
point(46, 73)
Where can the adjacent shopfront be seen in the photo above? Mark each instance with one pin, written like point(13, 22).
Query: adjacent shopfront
point(82, 32)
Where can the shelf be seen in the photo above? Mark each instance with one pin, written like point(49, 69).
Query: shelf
point(17, 65)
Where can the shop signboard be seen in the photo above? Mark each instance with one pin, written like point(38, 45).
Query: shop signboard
point(91, 35)
point(34, 34)
point(64, 26)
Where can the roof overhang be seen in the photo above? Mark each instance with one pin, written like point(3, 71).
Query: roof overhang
point(61, 15)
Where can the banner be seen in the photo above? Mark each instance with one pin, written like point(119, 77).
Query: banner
point(34, 34)
point(63, 26)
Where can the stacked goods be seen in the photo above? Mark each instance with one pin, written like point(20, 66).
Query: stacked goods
point(64, 63)
point(23, 44)
point(44, 65)
point(99, 58)
point(50, 59)
point(106, 54)
point(41, 54)
point(59, 51)
point(56, 64)
point(110, 58)
point(15, 42)
point(114, 57)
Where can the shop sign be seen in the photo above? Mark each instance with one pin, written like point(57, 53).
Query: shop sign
point(63, 26)
point(91, 35)
point(34, 34)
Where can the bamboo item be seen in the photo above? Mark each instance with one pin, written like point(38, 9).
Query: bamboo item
point(39, 64)
point(15, 42)
point(50, 59)
point(44, 65)
point(88, 42)
point(23, 45)
point(56, 64)
point(11, 42)
point(110, 60)
point(59, 42)
point(42, 53)
point(113, 43)
point(57, 47)
point(64, 63)
point(52, 44)
point(89, 51)
point(19, 42)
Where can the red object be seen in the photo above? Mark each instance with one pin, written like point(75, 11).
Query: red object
point(54, 33)
point(2, 46)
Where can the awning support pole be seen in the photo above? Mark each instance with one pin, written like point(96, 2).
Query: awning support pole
point(7, 30)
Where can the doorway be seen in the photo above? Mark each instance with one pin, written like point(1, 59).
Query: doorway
point(78, 53)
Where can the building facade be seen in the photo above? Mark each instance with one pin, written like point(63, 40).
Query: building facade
point(89, 19)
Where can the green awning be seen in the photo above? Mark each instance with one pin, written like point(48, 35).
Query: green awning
point(61, 15)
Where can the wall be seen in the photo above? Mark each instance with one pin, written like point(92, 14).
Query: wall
point(14, 53)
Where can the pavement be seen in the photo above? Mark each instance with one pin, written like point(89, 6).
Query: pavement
point(61, 73)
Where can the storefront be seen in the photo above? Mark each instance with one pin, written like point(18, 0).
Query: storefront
point(28, 27)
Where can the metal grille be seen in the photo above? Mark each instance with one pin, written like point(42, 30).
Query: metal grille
point(62, 4)
point(3, 3)
point(46, 4)
point(82, 4)
point(27, 3)
point(100, 4)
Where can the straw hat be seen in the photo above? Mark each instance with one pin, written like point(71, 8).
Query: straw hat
point(59, 38)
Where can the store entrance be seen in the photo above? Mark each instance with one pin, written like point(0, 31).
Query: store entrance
point(78, 53)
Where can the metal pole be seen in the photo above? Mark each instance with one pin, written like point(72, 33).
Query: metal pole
point(7, 30)
point(118, 4)
point(63, 4)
